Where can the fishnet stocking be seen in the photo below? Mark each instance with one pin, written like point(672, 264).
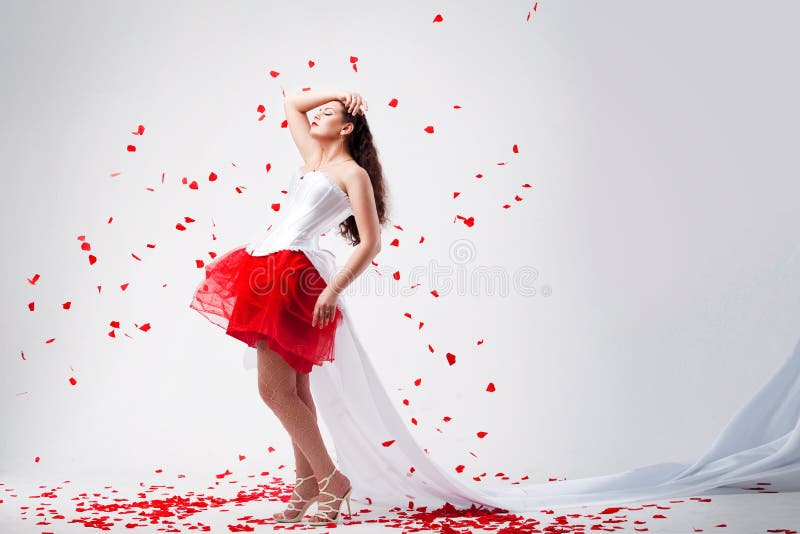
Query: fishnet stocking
point(278, 387)
point(305, 489)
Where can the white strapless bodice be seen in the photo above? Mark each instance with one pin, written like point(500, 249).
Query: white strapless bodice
point(315, 204)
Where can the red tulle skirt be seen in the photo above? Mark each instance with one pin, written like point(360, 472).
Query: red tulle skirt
point(269, 297)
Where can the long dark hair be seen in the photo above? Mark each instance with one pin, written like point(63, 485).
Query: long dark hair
point(363, 150)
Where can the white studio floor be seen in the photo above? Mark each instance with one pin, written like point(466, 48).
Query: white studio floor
point(246, 506)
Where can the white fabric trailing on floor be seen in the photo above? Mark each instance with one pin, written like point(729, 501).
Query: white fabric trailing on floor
point(761, 441)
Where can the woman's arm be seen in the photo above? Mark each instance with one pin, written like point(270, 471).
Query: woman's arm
point(362, 200)
point(295, 107)
point(304, 101)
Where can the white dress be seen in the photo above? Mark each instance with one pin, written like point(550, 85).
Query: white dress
point(760, 443)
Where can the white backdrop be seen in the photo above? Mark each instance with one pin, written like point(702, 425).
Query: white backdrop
point(659, 226)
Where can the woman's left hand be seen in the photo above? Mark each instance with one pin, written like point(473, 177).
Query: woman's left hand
point(324, 309)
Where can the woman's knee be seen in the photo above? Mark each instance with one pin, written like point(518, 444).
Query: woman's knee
point(304, 389)
point(277, 380)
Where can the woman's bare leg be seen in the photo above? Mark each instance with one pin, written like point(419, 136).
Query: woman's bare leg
point(277, 385)
point(301, 463)
point(308, 489)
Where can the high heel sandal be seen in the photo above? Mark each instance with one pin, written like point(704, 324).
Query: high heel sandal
point(338, 509)
point(291, 508)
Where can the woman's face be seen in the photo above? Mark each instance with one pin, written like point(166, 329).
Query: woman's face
point(327, 120)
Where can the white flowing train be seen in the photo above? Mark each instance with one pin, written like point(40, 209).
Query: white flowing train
point(761, 442)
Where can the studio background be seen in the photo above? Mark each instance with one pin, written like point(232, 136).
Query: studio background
point(658, 233)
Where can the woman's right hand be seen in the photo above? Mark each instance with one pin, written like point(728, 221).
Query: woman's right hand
point(353, 102)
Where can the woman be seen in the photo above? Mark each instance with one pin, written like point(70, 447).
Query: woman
point(272, 296)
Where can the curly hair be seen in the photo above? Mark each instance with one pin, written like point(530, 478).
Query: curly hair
point(363, 150)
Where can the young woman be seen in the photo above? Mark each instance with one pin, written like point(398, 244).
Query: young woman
point(280, 297)
point(272, 296)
